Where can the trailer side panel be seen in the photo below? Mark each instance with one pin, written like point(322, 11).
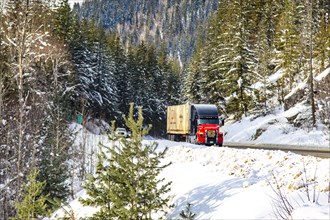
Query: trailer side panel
point(178, 119)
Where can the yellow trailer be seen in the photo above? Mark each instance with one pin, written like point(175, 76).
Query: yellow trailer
point(178, 119)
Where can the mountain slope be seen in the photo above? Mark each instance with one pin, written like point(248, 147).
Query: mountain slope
point(174, 23)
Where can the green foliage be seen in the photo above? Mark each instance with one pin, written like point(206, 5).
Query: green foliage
point(126, 184)
point(224, 66)
point(63, 21)
point(248, 41)
point(29, 50)
point(33, 205)
point(106, 75)
point(54, 172)
point(54, 153)
point(287, 42)
point(193, 83)
point(322, 37)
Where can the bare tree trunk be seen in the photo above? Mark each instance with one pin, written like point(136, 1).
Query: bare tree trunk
point(1, 71)
point(311, 64)
point(21, 107)
point(57, 111)
point(21, 36)
point(1, 85)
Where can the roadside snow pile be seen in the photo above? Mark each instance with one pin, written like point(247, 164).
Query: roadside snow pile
point(257, 165)
point(277, 128)
point(225, 183)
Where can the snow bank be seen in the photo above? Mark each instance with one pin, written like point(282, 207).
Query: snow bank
point(276, 129)
point(224, 183)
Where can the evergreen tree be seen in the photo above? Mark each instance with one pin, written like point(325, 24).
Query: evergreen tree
point(265, 51)
point(126, 184)
point(33, 205)
point(132, 75)
point(174, 78)
point(156, 102)
point(232, 65)
point(54, 155)
point(193, 76)
point(211, 65)
point(121, 75)
point(287, 46)
point(63, 21)
point(322, 36)
point(171, 81)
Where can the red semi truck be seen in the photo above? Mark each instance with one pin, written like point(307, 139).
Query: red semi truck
point(194, 123)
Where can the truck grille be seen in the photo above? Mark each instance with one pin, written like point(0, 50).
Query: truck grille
point(211, 133)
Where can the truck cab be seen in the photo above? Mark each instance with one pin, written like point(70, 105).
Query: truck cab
point(205, 125)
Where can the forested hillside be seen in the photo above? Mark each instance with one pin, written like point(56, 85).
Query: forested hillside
point(244, 56)
point(173, 24)
point(257, 53)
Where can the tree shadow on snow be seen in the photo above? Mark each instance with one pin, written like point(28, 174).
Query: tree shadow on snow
point(205, 199)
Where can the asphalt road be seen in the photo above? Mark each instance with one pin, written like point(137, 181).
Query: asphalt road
point(317, 151)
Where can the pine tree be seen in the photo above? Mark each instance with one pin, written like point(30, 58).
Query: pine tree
point(33, 205)
point(54, 156)
point(322, 36)
point(193, 84)
point(265, 52)
point(171, 81)
point(174, 78)
point(232, 65)
point(126, 184)
point(121, 76)
point(287, 46)
point(63, 21)
point(212, 62)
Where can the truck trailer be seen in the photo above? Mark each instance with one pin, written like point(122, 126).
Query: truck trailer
point(194, 123)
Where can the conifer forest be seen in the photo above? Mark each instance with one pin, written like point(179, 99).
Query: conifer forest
point(61, 64)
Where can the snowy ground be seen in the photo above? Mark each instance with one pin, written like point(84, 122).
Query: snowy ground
point(224, 183)
point(275, 129)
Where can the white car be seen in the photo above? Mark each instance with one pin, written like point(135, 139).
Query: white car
point(121, 132)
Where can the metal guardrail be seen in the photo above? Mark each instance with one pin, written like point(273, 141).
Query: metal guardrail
point(319, 151)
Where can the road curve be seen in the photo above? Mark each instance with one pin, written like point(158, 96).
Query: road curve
point(317, 151)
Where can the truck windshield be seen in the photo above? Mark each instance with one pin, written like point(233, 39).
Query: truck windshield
point(208, 121)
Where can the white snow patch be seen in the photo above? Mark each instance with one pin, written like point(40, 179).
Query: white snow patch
point(275, 129)
point(323, 75)
point(225, 183)
point(277, 75)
